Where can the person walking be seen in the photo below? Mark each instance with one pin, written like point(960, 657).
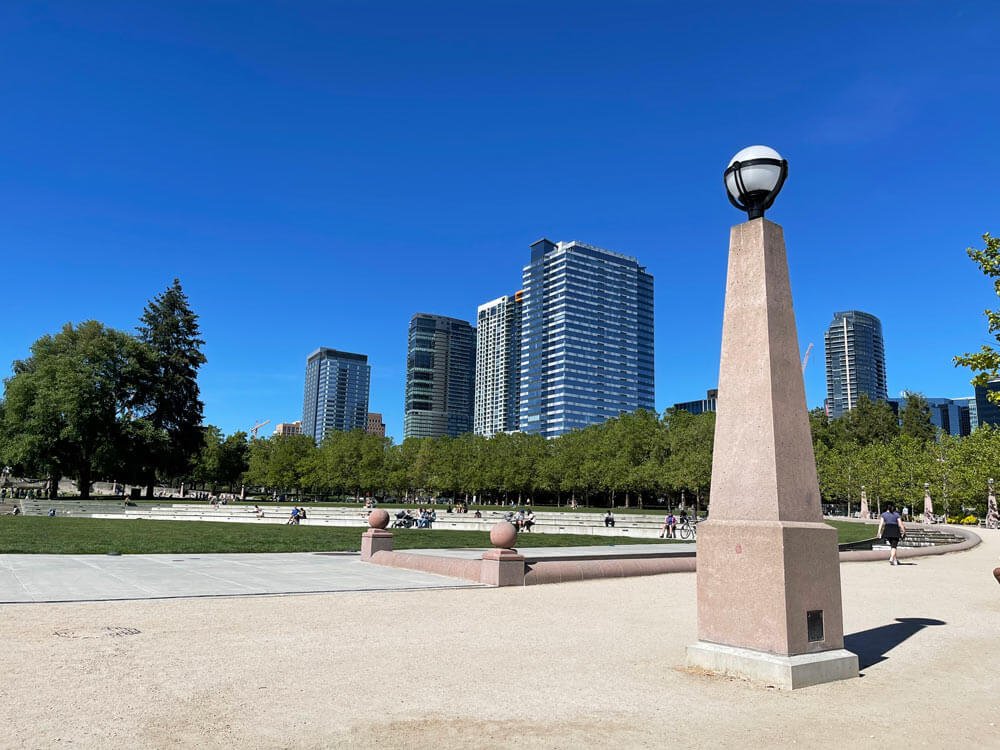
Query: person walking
point(891, 530)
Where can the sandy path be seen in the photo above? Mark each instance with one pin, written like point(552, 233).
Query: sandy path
point(563, 666)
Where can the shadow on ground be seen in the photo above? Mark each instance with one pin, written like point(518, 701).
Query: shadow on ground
point(872, 645)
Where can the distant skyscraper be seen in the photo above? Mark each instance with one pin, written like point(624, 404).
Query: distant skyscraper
point(586, 337)
point(336, 394)
point(707, 404)
point(375, 425)
point(950, 415)
point(288, 428)
point(440, 376)
point(986, 412)
point(498, 372)
point(855, 361)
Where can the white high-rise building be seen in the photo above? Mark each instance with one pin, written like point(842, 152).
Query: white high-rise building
point(498, 348)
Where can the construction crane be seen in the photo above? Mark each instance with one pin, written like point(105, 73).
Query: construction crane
point(256, 427)
point(805, 359)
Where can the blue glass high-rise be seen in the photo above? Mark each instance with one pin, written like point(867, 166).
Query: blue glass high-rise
point(855, 361)
point(586, 337)
point(336, 393)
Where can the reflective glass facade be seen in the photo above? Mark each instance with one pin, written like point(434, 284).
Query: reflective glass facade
point(855, 361)
point(336, 393)
point(950, 415)
point(440, 376)
point(586, 337)
point(986, 411)
point(709, 403)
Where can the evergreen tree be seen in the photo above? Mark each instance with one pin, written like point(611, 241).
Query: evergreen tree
point(915, 418)
point(870, 422)
point(169, 402)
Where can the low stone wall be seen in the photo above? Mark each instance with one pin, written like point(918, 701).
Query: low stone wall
point(539, 570)
point(454, 567)
point(561, 571)
point(970, 540)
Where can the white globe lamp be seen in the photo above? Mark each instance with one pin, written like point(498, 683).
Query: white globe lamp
point(754, 178)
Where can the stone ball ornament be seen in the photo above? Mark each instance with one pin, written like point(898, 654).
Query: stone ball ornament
point(378, 519)
point(754, 178)
point(503, 535)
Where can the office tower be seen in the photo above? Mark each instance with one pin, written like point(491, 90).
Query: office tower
point(498, 372)
point(855, 361)
point(336, 396)
point(953, 416)
point(707, 404)
point(586, 337)
point(440, 376)
point(986, 412)
point(375, 425)
point(971, 409)
point(288, 428)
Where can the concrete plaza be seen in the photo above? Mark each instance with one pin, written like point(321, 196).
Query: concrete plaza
point(589, 664)
point(80, 578)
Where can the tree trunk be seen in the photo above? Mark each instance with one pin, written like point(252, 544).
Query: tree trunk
point(54, 486)
point(84, 482)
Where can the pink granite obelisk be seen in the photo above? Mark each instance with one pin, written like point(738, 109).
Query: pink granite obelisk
point(769, 603)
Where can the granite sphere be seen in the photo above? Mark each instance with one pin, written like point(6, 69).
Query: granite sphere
point(503, 535)
point(378, 519)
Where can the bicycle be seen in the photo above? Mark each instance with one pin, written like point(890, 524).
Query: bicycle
point(688, 530)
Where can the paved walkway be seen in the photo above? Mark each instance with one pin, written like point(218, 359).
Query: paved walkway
point(590, 664)
point(75, 578)
point(79, 578)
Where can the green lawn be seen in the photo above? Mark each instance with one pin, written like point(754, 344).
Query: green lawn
point(853, 532)
point(40, 534)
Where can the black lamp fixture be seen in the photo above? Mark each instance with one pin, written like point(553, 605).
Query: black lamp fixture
point(754, 178)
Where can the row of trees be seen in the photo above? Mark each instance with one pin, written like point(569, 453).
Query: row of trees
point(94, 402)
point(634, 459)
point(892, 457)
point(626, 461)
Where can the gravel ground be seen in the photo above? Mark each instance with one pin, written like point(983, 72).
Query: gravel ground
point(589, 664)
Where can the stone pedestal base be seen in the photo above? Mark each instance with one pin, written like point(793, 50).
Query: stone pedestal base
point(375, 540)
point(769, 586)
point(785, 672)
point(502, 567)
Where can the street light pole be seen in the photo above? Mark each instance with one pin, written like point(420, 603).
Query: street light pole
point(769, 593)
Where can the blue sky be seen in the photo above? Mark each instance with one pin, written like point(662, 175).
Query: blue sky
point(315, 173)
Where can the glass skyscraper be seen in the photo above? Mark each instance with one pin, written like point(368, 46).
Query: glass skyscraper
point(336, 393)
point(440, 376)
point(498, 372)
point(855, 361)
point(953, 416)
point(586, 337)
